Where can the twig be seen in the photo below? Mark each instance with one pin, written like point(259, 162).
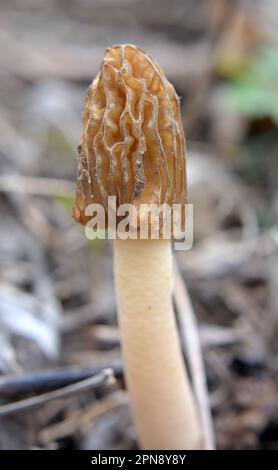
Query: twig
point(93, 382)
point(81, 419)
point(36, 185)
point(191, 342)
point(50, 379)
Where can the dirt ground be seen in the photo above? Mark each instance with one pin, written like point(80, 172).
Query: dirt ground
point(58, 323)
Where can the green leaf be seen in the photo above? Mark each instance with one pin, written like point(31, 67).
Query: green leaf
point(255, 92)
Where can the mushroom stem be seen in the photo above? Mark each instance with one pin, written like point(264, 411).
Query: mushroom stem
point(160, 393)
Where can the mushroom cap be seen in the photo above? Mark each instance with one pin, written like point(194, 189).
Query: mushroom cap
point(132, 145)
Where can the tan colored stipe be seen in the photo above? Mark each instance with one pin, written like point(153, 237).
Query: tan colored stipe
point(160, 393)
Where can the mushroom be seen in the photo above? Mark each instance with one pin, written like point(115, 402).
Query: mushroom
point(132, 148)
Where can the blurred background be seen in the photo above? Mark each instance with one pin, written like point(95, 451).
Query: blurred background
point(57, 306)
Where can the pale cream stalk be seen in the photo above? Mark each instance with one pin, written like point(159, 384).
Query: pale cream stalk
point(160, 392)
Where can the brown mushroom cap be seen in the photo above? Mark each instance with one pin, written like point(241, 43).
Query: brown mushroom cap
point(132, 145)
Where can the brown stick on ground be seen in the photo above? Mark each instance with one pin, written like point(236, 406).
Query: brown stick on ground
point(28, 403)
point(191, 341)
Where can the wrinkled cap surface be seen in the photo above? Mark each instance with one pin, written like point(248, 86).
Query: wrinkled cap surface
point(132, 146)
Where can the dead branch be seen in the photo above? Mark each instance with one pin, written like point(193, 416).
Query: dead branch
point(81, 419)
point(191, 343)
point(104, 377)
point(36, 186)
point(50, 379)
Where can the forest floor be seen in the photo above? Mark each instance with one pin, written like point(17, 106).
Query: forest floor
point(58, 324)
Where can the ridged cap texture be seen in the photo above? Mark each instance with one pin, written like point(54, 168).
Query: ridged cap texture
point(132, 145)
